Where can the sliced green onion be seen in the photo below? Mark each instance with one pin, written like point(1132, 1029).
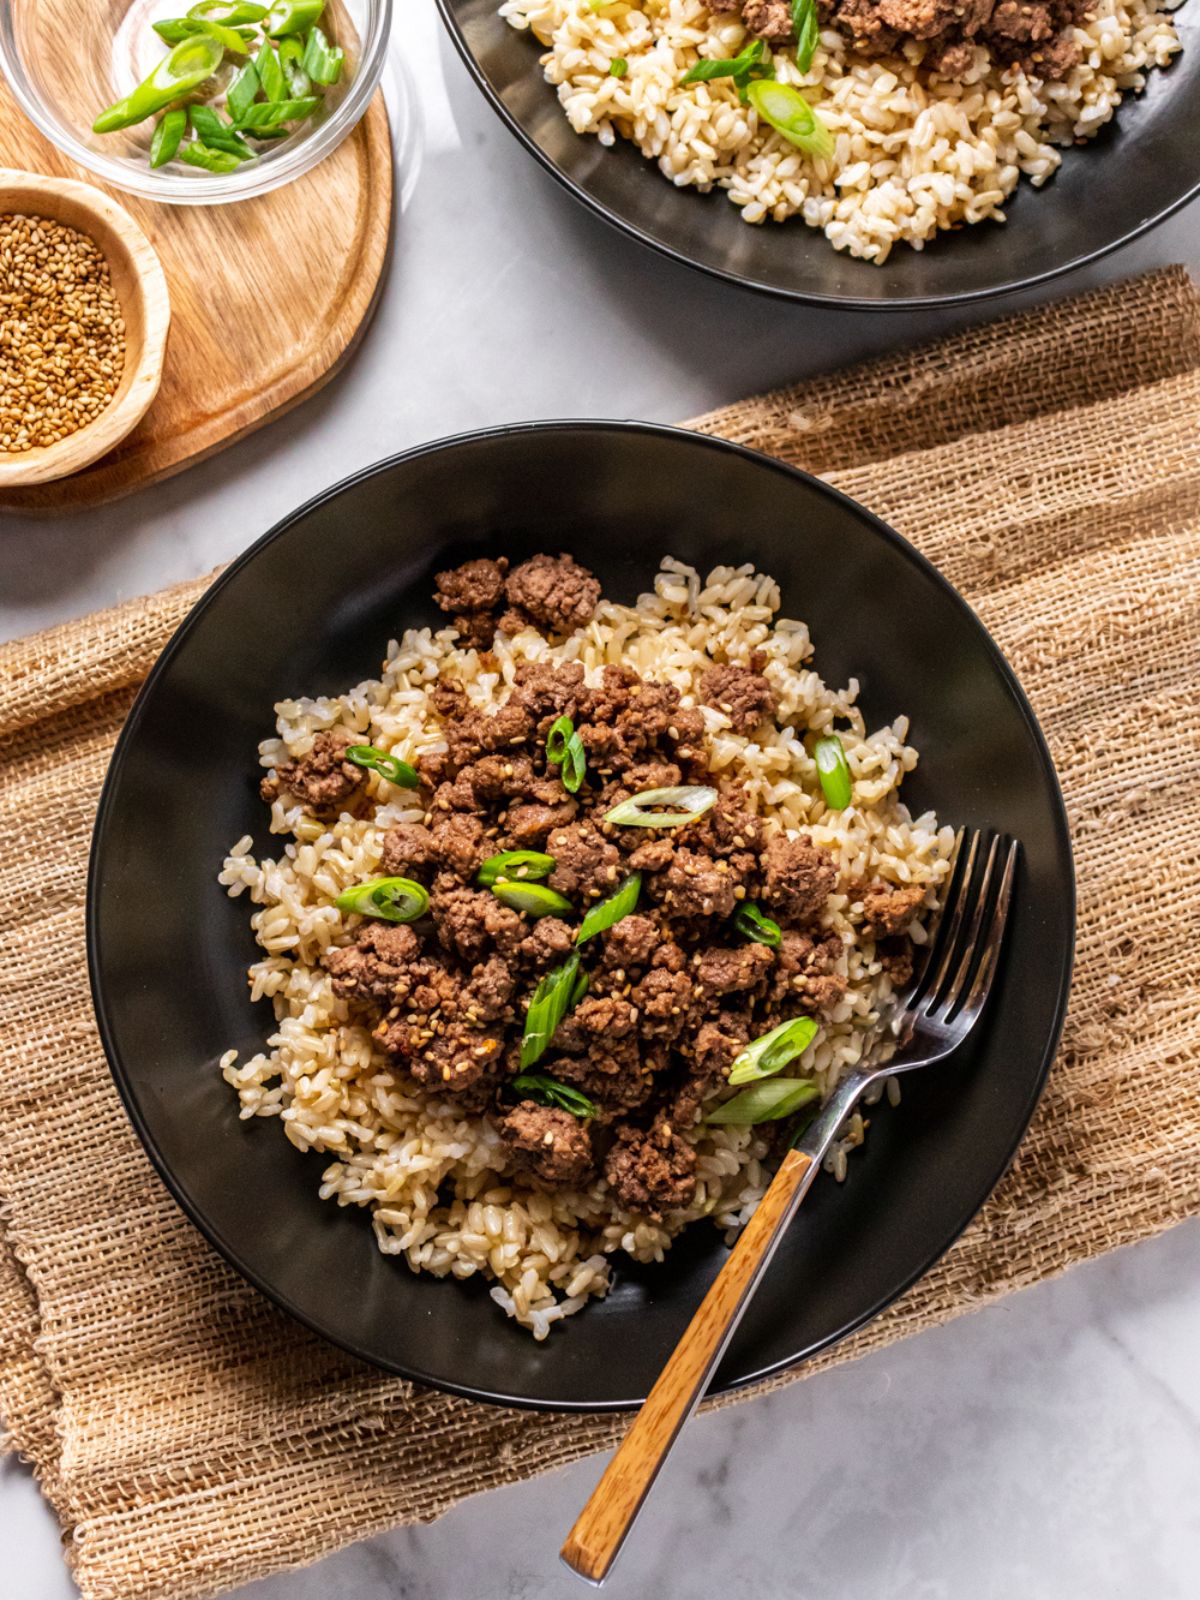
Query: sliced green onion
point(574, 767)
point(557, 740)
point(322, 61)
point(693, 801)
point(176, 29)
point(168, 136)
point(582, 984)
point(385, 764)
point(213, 131)
point(833, 771)
point(549, 1091)
point(552, 999)
point(527, 866)
point(618, 67)
point(734, 67)
point(790, 114)
point(230, 12)
point(611, 911)
point(748, 919)
point(808, 31)
point(774, 1050)
point(243, 91)
point(533, 898)
point(393, 899)
point(190, 63)
point(270, 75)
point(766, 1102)
point(270, 116)
point(233, 39)
point(291, 59)
point(292, 16)
point(197, 154)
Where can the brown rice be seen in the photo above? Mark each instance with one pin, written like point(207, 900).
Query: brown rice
point(397, 1150)
point(914, 154)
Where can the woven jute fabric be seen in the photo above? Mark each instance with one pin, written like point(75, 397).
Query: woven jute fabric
point(190, 1437)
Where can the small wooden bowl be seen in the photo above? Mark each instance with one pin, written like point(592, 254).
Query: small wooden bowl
point(141, 289)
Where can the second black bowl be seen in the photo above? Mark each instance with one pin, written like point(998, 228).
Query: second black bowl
point(1142, 166)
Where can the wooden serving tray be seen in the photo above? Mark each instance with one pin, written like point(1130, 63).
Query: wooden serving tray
point(268, 299)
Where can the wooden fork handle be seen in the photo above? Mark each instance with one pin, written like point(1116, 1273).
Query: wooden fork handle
point(593, 1543)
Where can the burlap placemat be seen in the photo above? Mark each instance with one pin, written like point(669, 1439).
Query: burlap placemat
point(191, 1438)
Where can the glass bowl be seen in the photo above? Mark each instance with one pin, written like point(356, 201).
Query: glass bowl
point(66, 60)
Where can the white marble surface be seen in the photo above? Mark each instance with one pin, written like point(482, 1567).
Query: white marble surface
point(1048, 1446)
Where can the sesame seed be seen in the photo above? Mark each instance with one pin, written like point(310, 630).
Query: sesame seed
point(62, 335)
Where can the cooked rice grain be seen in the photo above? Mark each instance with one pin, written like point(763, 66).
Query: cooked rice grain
point(439, 1184)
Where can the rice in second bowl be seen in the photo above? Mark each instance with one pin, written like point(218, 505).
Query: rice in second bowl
point(440, 1184)
point(914, 154)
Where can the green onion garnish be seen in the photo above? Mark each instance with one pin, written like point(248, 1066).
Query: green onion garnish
point(213, 131)
point(748, 919)
point(770, 1054)
point(270, 74)
point(534, 898)
point(552, 999)
point(618, 67)
point(693, 801)
point(833, 771)
point(393, 899)
point(574, 767)
point(230, 12)
point(557, 740)
point(527, 866)
point(291, 59)
point(191, 63)
point(549, 1091)
point(199, 155)
point(766, 1102)
point(176, 29)
point(233, 39)
point(270, 116)
point(243, 91)
point(322, 61)
point(790, 114)
point(609, 912)
point(292, 16)
point(737, 67)
point(808, 31)
point(582, 984)
point(168, 136)
point(386, 765)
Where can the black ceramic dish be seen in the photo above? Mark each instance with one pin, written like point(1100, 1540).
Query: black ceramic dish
point(309, 610)
point(1143, 166)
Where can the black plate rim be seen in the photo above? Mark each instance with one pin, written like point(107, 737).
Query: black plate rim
point(104, 813)
point(918, 302)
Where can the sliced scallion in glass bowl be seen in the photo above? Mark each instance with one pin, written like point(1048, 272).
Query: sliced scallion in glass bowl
point(121, 40)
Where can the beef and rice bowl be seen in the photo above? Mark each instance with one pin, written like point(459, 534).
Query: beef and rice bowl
point(579, 905)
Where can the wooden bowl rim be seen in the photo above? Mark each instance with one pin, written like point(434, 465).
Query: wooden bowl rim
point(116, 234)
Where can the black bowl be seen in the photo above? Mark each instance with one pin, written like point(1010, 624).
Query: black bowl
point(1142, 166)
point(308, 610)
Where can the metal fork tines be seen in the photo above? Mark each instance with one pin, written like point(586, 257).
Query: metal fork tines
point(944, 1000)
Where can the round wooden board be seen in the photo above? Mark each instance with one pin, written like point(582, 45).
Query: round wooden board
point(268, 299)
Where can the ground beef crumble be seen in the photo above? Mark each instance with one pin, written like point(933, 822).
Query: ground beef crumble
point(1035, 35)
point(676, 989)
point(323, 781)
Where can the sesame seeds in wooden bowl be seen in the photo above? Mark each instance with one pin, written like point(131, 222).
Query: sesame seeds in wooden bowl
point(84, 312)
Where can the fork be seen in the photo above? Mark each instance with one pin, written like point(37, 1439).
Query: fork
point(931, 1017)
